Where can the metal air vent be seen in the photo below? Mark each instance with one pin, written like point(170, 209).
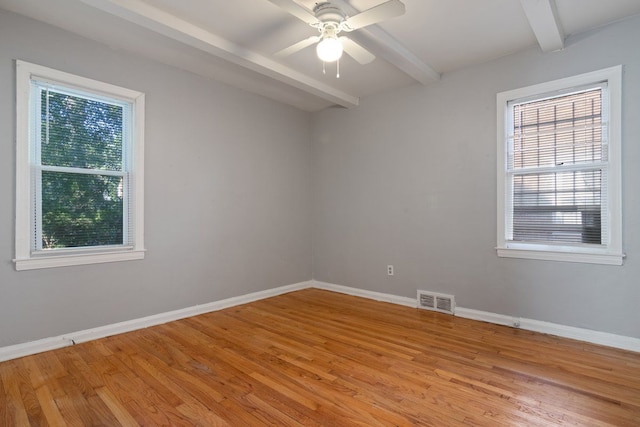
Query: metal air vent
point(436, 302)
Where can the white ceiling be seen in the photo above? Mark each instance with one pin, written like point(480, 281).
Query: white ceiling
point(234, 41)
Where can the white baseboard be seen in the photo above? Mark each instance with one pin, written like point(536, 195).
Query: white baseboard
point(378, 296)
point(587, 335)
point(46, 344)
point(486, 316)
point(580, 334)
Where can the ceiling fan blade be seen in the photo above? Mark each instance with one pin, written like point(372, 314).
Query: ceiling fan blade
point(296, 10)
point(375, 14)
point(357, 52)
point(297, 47)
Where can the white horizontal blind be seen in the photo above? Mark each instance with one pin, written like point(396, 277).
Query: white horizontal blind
point(80, 169)
point(557, 158)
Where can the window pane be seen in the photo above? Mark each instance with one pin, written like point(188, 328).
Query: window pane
point(560, 131)
point(558, 207)
point(81, 210)
point(80, 132)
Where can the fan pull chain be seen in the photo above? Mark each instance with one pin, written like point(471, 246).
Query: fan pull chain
point(324, 68)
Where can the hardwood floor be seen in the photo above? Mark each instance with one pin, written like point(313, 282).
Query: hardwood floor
point(317, 358)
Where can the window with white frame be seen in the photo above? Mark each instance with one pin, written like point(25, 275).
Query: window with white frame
point(559, 170)
point(79, 148)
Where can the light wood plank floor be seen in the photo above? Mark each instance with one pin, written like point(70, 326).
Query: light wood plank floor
point(317, 358)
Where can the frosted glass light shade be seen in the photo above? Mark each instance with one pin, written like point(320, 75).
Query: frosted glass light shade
point(329, 49)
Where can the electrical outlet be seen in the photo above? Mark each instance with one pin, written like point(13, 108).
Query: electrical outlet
point(389, 270)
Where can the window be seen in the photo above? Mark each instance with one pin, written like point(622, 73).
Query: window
point(559, 161)
point(79, 170)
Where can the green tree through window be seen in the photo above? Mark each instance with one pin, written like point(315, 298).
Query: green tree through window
point(82, 178)
point(79, 170)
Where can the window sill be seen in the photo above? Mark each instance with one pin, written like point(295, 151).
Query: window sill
point(77, 259)
point(546, 255)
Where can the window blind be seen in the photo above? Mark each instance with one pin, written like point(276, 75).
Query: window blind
point(80, 164)
point(557, 168)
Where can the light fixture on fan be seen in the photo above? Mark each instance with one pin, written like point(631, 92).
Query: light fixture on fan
point(330, 20)
point(329, 49)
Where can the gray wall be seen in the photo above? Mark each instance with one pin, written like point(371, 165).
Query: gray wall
point(227, 201)
point(409, 179)
point(237, 184)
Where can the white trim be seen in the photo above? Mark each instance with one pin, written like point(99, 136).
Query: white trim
point(24, 258)
point(485, 316)
point(377, 296)
point(68, 260)
point(136, 178)
point(608, 259)
point(610, 253)
point(32, 347)
point(46, 74)
point(581, 334)
point(46, 344)
point(23, 181)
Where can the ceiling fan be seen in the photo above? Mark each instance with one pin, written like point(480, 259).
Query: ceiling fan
point(330, 20)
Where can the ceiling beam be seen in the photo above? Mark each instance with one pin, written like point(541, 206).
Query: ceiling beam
point(159, 21)
point(543, 19)
point(382, 44)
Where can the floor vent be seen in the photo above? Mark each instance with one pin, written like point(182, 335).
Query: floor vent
point(436, 302)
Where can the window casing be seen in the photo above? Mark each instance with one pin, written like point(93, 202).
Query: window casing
point(79, 164)
point(559, 170)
